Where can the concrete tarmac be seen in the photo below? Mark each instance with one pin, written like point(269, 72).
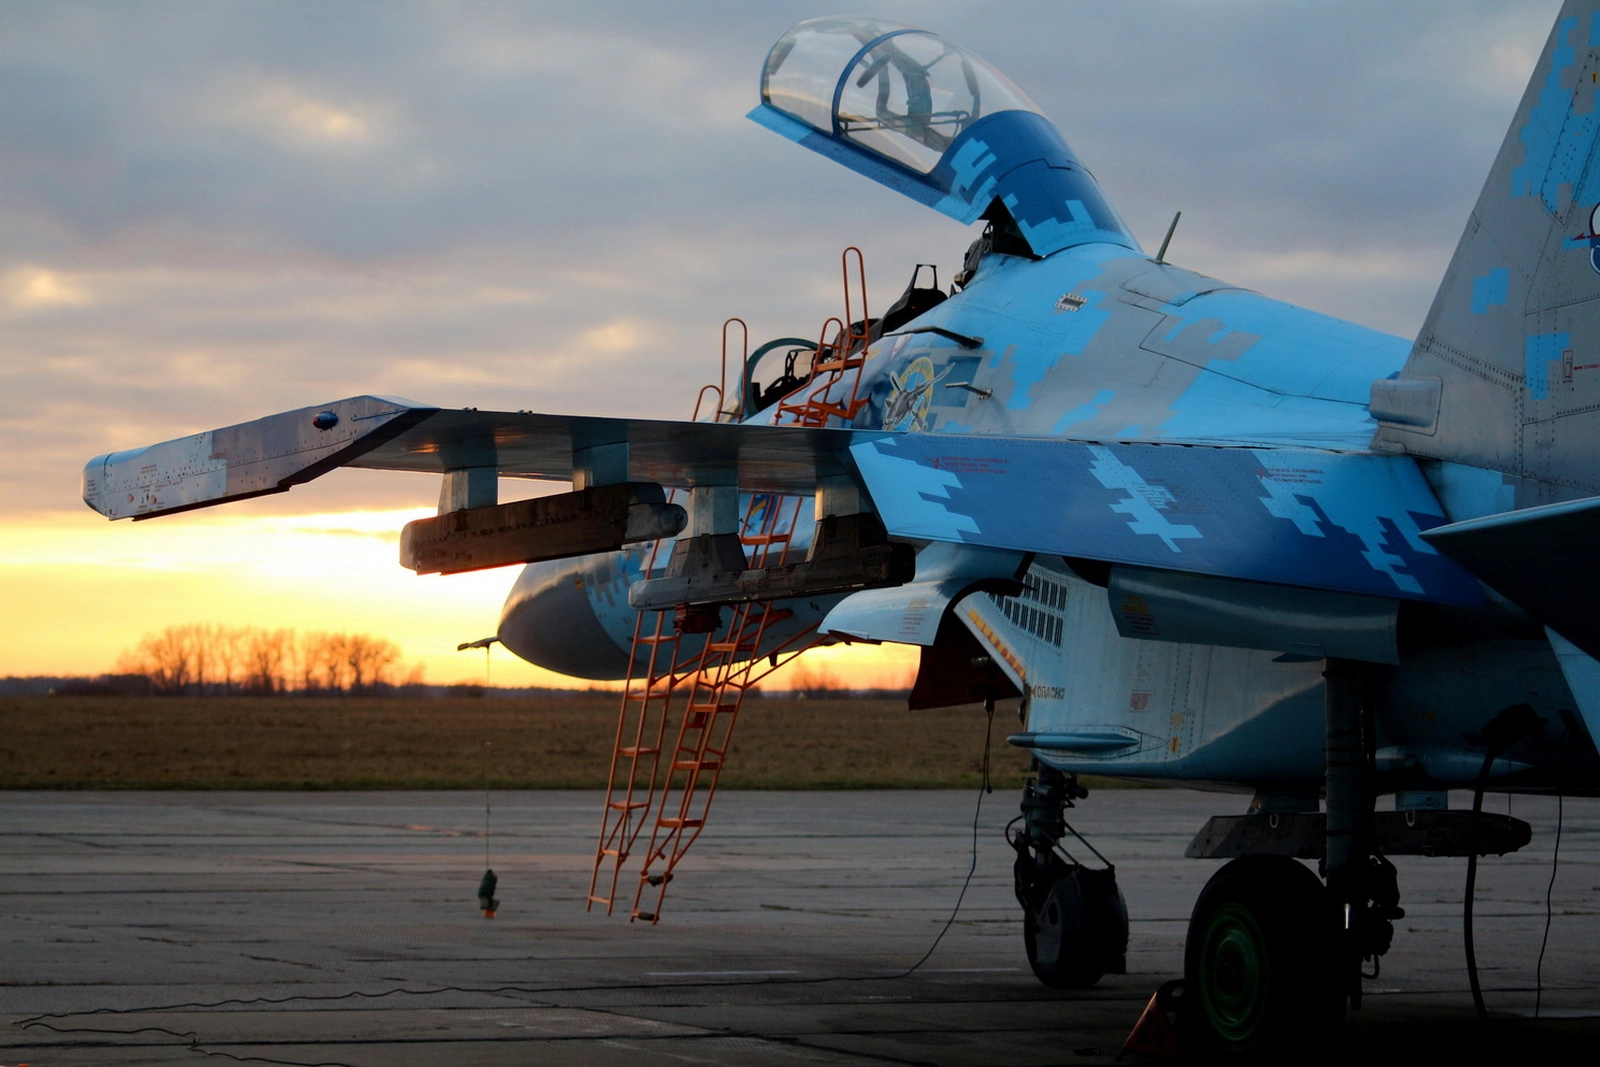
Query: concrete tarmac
point(341, 928)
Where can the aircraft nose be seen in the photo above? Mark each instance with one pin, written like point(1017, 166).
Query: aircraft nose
point(550, 620)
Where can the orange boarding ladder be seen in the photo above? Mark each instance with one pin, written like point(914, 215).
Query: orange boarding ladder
point(837, 360)
point(704, 694)
point(653, 676)
point(729, 665)
point(636, 753)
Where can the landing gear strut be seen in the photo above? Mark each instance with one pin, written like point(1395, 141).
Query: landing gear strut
point(1273, 955)
point(1074, 920)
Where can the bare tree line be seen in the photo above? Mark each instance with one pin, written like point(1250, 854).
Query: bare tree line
point(209, 658)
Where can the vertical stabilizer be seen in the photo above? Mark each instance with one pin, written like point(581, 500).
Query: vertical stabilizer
point(1506, 372)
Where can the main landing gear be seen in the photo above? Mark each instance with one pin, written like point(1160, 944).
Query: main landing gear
point(1273, 954)
point(1259, 962)
point(1074, 920)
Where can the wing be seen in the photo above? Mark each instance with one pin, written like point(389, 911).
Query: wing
point(1324, 520)
point(273, 454)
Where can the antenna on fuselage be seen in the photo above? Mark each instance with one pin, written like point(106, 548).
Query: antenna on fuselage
point(1161, 256)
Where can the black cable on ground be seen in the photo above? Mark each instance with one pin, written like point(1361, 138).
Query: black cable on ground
point(1555, 856)
point(1472, 888)
point(1508, 726)
point(190, 1036)
point(988, 740)
point(1555, 865)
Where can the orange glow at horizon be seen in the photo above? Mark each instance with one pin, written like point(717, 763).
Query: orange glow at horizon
point(77, 591)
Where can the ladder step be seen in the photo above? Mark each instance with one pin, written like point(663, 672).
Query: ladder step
point(636, 751)
point(627, 805)
point(676, 823)
point(766, 539)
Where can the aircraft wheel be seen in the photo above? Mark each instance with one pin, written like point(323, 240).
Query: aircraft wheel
point(1078, 931)
point(1259, 963)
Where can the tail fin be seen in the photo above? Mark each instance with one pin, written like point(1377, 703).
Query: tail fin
point(1506, 372)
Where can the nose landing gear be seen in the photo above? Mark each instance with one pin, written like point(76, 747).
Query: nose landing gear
point(1074, 920)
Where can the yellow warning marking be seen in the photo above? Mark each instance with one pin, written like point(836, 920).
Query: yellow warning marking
point(998, 645)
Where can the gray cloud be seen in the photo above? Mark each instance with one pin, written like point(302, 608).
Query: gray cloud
point(217, 210)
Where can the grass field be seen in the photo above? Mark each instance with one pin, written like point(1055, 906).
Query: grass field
point(74, 742)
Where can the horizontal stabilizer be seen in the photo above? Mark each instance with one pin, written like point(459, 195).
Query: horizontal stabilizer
point(1290, 516)
point(1528, 557)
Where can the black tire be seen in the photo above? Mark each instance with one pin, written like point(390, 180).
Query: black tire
point(1260, 972)
point(1078, 931)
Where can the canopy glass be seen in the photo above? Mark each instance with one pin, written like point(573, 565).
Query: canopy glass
point(900, 92)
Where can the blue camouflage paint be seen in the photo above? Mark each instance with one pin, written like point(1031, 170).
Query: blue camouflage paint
point(1297, 352)
point(1490, 290)
point(1541, 351)
point(1072, 333)
point(1553, 137)
point(1084, 412)
point(1144, 504)
point(1017, 157)
point(1239, 368)
point(971, 179)
point(846, 154)
point(1325, 520)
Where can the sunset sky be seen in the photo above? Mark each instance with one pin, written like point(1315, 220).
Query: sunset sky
point(214, 211)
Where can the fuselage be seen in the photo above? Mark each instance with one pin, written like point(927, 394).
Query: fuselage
point(1097, 343)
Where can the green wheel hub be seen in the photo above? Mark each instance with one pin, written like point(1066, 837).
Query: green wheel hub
point(1234, 974)
point(1259, 965)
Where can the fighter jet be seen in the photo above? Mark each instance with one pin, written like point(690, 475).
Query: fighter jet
point(1197, 535)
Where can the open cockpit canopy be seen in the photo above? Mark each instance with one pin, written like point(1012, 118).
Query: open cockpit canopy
point(899, 91)
point(929, 119)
